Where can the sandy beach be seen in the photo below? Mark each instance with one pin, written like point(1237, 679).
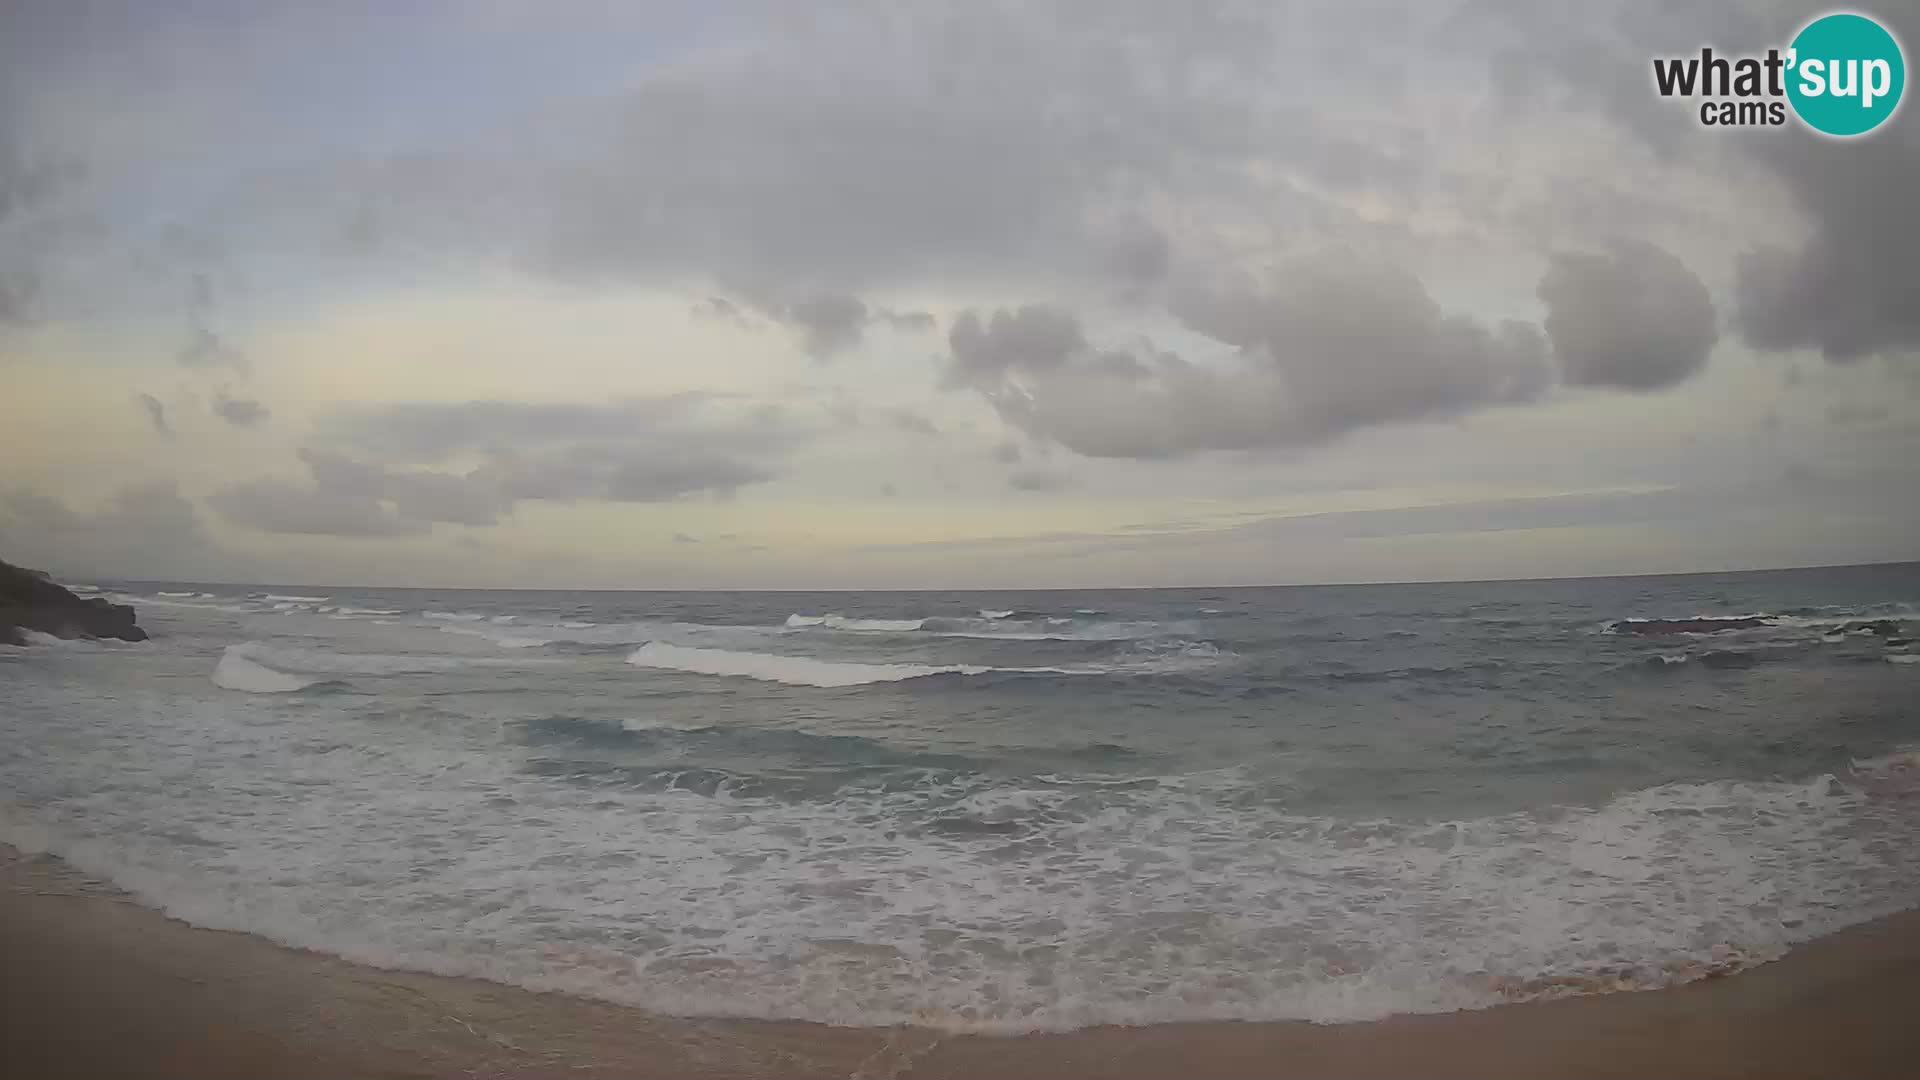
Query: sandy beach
point(95, 984)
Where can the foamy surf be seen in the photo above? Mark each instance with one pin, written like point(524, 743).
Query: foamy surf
point(790, 670)
point(1320, 808)
point(238, 671)
point(995, 625)
point(868, 923)
point(841, 622)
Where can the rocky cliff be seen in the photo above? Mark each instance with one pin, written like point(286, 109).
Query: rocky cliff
point(29, 600)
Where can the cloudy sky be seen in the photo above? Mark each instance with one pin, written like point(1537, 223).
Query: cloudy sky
point(908, 294)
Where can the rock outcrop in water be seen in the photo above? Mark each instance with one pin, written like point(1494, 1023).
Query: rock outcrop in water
point(29, 600)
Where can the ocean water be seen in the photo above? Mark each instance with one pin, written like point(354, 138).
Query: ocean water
point(999, 811)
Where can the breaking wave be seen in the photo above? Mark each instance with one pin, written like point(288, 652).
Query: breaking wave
point(238, 671)
point(796, 670)
point(1008, 625)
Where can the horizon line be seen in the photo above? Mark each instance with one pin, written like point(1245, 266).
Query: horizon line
point(1029, 589)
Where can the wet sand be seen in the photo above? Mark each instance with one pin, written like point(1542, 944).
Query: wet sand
point(92, 984)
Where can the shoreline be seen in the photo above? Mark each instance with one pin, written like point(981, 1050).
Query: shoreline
point(95, 984)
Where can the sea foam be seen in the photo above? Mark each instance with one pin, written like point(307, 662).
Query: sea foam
point(237, 671)
point(791, 670)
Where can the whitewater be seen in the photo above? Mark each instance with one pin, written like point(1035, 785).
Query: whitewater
point(999, 811)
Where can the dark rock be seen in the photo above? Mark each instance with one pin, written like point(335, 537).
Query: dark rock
point(29, 600)
point(1688, 626)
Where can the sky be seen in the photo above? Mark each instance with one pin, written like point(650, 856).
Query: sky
point(937, 295)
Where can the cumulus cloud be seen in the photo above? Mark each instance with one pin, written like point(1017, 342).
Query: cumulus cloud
point(1632, 319)
point(946, 140)
point(240, 412)
point(348, 497)
point(1322, 349)
point(147, 530)
point(643, 450)
point(619, 473)
point(156, 414)
point(431, 431)
point(271, 506)
point(1853, 289)
point(827, 323)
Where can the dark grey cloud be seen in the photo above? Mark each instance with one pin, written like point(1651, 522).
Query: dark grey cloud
point(1632, 319)
point(240, 412)
point(1007, 453)
point(647, 450)
point(1853, 289)
point(1134, 253)
point(828, 323)
point(156, 414)
point(349, 497)
point(910, 421)
point(634, 473)
point(431, 431)
point(947, 140)
point(1038, 480)
point(1033, 338)
point(908, 322)
point(144, 530)
point(1321, 349)
point(270, 506)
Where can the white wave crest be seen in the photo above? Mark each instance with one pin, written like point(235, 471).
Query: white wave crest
point(505, 641)
point(995, 625)
point(45, 640)
point(841, 622)
point(791, 670)
point(452, 616)
point(237, 671)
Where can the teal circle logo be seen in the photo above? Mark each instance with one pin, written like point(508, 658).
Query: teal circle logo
point(1846, 74)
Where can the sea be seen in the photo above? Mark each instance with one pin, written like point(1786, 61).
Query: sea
point(999, 811)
